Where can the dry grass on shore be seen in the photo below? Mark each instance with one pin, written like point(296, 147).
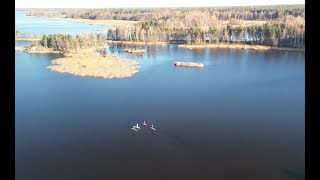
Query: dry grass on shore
point(188, 64)
point(221, 45)
point(87, 62)
point(43, 50)
point(138, 42)
point(37, 50)
point(240, 46)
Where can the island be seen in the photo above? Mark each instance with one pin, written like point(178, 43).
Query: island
point(134, 50)
point(88, 62)
point(188, 64)
point(80, 56)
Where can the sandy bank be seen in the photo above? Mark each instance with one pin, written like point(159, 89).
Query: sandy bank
point(239, 46)
point(188, 64)
point(90, 63)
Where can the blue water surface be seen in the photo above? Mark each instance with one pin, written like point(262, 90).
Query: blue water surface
point(239, 117)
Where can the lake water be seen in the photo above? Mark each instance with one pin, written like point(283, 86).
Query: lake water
point(240, 117)
point(39, 25)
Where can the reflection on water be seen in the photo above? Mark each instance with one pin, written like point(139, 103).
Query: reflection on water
point(240, 116)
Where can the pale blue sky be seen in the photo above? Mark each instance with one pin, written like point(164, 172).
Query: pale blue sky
point(144, 3)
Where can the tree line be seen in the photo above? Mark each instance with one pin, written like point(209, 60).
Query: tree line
point(258, 13)
point(64, 42)
point(287, 33)
point(281, 26)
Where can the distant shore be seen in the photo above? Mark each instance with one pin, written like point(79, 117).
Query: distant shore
point(116, 23)
point(193, 46)
point(240, 46)
point(222, 45)
point(27, 39)
point(138, 42)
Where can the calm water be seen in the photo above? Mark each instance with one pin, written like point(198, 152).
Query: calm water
point(28, 24)
point(240, 117)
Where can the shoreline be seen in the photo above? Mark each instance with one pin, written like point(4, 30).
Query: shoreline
point(240, 46)
point(87, 62)
point(90, 63)
point(37, 50)
point(222, 45)
point(138, 42)
point(115, 23)
point(43, 50)
point(122, 23)
point(27, 39)
point(193, 46)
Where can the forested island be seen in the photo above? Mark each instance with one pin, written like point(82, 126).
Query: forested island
point(275, 26)
point(80, 56)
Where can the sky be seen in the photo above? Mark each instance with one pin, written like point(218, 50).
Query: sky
point(145, 3)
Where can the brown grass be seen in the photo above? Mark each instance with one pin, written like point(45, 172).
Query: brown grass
point(138, 42)
point(188, 64)
point(87, 62)
point(43, 50)
point(36, 50)
point(239, 46)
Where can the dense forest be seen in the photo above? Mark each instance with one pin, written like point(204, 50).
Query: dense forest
point(280, 26)
point(64, 42)
point(264, 13)
point(287, 33)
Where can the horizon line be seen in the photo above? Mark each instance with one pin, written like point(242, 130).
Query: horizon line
point(156, 7)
